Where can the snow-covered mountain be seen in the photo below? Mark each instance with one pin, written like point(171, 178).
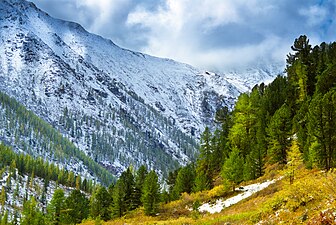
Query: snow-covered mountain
point(118, 106)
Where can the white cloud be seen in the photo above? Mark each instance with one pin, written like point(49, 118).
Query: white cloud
point(270, 50)
point(315, 14)
point(175, 31)
point(103, 9)
point(205, 33)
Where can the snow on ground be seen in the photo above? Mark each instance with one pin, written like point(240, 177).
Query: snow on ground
point(247, 192)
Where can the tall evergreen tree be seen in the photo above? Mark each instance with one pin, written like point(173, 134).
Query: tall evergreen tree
point(184, 181)
point(123, 194)
point(294, 160)
point(3, 198)
point(139, 181)
point(219, 150)
point(279, 132)
point(201, 182)
point(118, 205)
point(204, 162)
point(151, 194)
point(244, 118)
point(100, 203)
point(233, 168)
point(31, 214)
point(322, 123)
point(56, 208)
point(77, 207)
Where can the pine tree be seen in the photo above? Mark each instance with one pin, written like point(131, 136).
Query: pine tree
point(4, 219)
point(249, 172)
point(31, 214)
point(322, 122)
point(233, 168)
point(100, 204)
point(184, 181)
point(56, 207)
point(244, 119)
point(151, 194)
point(78, 182)
point(300, 128)
point(201, 182)
point(118, 205)
point(294, 161)
point(77, 207)
point(139, 181)
point(326, 80)
point(123, 194)
point(204, 162)
point(171, 180)
point(279, 132)
point(219, 153)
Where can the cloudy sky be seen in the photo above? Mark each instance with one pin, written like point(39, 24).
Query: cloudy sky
point(213, 34)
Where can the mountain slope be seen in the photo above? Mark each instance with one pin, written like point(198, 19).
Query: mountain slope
point(118, 106)
point(28, 133)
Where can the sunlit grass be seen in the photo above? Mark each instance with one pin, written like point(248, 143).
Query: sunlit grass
point(302, 202)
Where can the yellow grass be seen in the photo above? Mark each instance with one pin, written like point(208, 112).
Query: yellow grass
point(302, 202)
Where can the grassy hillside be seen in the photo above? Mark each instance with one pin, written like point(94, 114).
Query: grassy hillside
point(276, 130)
point(310, 199)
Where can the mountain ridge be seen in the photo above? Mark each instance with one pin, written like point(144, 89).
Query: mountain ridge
point(131, 104)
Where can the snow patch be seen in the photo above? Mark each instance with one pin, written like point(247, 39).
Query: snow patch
point(247, 192)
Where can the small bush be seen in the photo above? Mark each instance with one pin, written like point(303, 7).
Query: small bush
point(216, 192)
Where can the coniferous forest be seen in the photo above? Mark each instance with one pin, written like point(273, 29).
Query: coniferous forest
point(288, 121)
point(298, 109)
